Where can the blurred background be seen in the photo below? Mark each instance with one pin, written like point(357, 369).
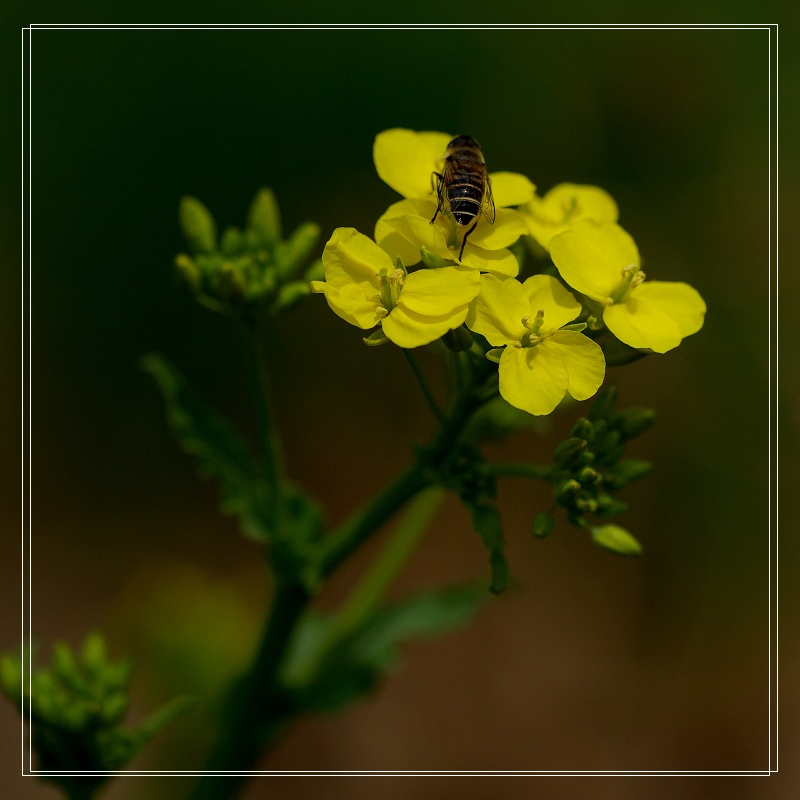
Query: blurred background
point(591, 662)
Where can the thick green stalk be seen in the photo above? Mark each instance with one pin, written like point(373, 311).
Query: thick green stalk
point(253, 712)
point(255, 716)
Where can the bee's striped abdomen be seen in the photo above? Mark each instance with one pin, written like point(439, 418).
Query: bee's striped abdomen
point(465, 195)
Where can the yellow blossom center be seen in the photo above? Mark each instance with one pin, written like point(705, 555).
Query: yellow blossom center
point(533, 331)
point(631, 276)
point(391, 286)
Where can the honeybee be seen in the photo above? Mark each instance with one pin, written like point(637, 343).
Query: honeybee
point(463, 187)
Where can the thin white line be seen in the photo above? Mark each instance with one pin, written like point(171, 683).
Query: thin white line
point(769, 387)
point(399, 27)
point(433, 773)
point(22, 399)
point(703, 26)
point(777, 397)
point(30, 386)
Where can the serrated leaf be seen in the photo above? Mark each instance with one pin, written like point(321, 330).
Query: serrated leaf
point(353, 665)
point(487, 524)
point(211, 439)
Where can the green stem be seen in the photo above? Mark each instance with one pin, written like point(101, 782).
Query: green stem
point(423, 384)
point(366, 596)
point(253, 713)
point(271, 450)
point(535, 471)
point(407, 535)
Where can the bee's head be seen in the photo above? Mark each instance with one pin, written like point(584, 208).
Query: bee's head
point(463, 141)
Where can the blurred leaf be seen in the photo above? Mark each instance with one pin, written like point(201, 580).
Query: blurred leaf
point(346, 667)
point(487, 524)
point(220, 452)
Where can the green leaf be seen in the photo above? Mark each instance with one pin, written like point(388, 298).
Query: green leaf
point(220, 452)
point(198, 225)
point(345, 668)
point(487, 524)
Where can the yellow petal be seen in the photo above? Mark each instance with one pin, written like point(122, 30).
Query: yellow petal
point(395, 242)
point(498, 310)
point(417, 232)
point(409, 329)
point(437, 292)
point(564, 206)
point(500, 262)
point(558, 304)
point(533, 378)
point(353, 304)
point(507, 228)
point(592, 256)
point(583, 360)
point(349, 257)
point(511, 189)
point(657, 315)
point(406, 159)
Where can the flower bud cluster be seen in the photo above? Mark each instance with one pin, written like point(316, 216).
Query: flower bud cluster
point(77, 707)
point(253, 269)
point(588, 468)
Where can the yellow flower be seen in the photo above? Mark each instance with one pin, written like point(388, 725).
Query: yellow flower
point(541, 360)
point(407, 160)
point(563, 206)
point(602, 262)
point(366, 289)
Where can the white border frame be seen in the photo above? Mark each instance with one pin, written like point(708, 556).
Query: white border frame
point(772, 479)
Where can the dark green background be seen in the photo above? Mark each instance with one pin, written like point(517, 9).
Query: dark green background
point(591, 662)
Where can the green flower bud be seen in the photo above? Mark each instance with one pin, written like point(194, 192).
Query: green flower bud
point(582, 429)
point(603, 406)
point(232, 243)
point(586, 503)
point(627, 471)
point(289, 255)
point(608, 506)
point(543, 524)
point(616, 540)
point(458, 340)
point(188, 271)
point(634, 421)
point(265, 217)
point(289, 295)
point(316, 272)
point(589, 477)
point(565, 491)
point(568, 451)
point(198, 225)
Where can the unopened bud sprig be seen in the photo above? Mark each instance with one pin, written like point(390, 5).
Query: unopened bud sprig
point(251, 269)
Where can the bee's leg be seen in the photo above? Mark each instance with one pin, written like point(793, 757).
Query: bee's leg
point(464, 240)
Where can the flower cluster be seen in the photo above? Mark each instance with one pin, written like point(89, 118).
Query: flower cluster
point(536, 329)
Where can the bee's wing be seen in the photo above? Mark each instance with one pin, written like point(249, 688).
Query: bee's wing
point(444, 179)
point(488, 209)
